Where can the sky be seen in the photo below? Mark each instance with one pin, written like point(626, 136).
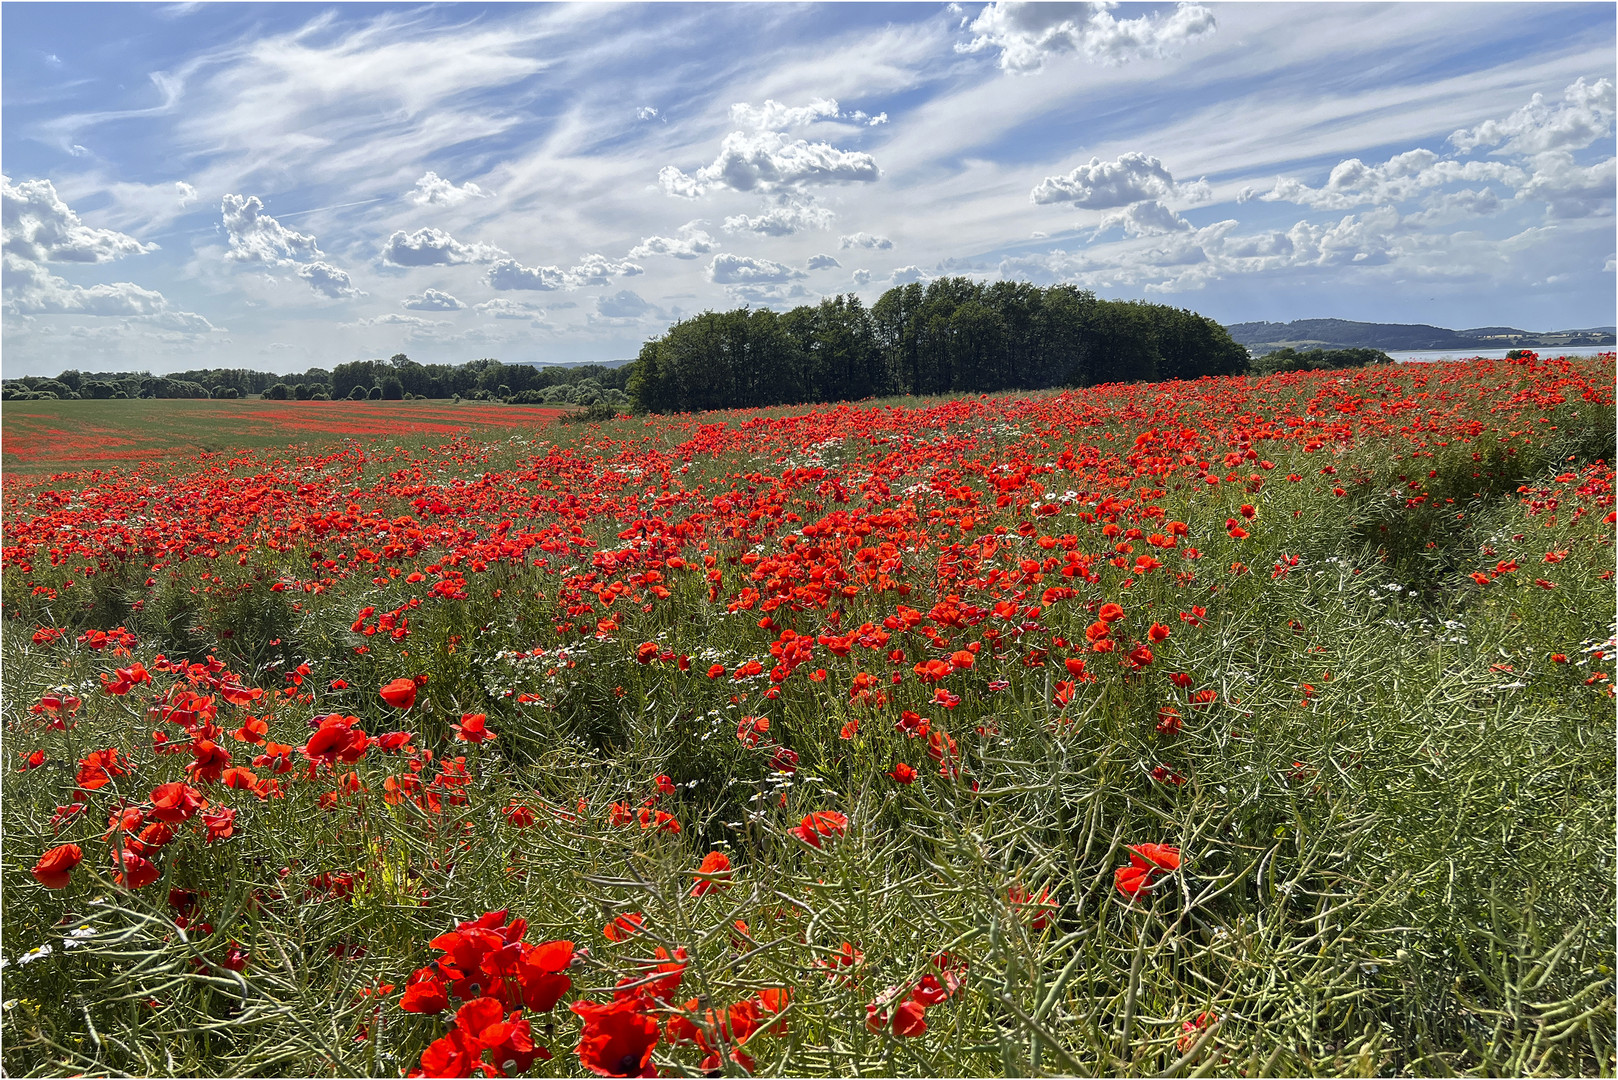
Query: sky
point(284, 186)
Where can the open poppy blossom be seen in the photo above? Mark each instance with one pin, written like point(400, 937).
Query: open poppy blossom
point(400, 693)
point(1147, 862)
point(56, 865)
point(716, 868)
point(821, 823)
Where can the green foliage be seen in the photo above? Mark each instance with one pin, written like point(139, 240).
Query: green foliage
point(1290, 359)
point(954, 335)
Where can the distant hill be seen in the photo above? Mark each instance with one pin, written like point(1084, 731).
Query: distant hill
point(1263, 337)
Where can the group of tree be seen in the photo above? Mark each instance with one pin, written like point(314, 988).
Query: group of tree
point(953, 335)
point(1289, 359)
point(394, 379)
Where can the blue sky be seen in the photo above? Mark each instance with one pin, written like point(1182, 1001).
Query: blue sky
point(286, 186)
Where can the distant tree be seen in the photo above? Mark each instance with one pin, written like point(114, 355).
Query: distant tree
point(357, 394)
point(277, 392)
point(302, 391)
point(392, 388)
point(227, 393)
point(375, 394)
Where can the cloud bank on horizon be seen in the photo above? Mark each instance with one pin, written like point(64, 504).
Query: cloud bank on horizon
point(282, 186)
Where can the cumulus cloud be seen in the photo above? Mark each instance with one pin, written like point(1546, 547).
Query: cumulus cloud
point(411, 322)
point(36, 227)
point(434, 247)
point(30, 289)
point(591, 270)
point(39, 227)
point(1570, 190)
point(862, 277)
point(434, 190)
point(622, 305)
point(771, 160)
point(823, 262)
point(1026, 34)
point(904, 275)
point(329, 281)
point(1102, 185)
point(1404, 176)
point(1584, 115)
point(501, 308)
point(598, 269)
point(786, 220)
point(727, 269)
point(1149, 218)
point(864, 240)
point(690, 242)
point(432, 300)
point(256, 237)
point(510, 274)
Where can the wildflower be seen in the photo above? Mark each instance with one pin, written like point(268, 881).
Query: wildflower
point(902, 774)
point(818, 824)
point(617, 1039)
point(1147, 862)
point(175, 802)
point(400, 693)
point(55, 865)
point(473, 728)
point(715, 873)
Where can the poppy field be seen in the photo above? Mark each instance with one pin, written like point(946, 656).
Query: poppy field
point(56, 436)
point(1237, 726)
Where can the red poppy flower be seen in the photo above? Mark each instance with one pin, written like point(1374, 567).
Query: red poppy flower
point(136, 873)
point(55, 865)
point(175, 802)
point(617, 1039)
point(1147, 862)
point(624, 926)
point(717, 864)
point(903, 774)
point(400, 693)
point(221, 823)
point(32, 760)
point(818, 824)
point(473, 728)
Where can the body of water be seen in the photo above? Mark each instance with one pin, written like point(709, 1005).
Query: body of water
point(1421, 356)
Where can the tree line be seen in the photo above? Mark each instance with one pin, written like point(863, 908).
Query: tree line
point(952, 335)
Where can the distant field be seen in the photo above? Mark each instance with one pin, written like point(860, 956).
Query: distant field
point(55, 436)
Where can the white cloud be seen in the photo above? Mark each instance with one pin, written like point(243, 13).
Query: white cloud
point(412, 322)
point(329, 281)
point(770, 161)
point(434, 190)
point(1102, 185)
point(434, 247)
point(38, 226)
point(622, 305)
point(864, 240)
point(1149, 218)
point(1026, 34)
point(30, 289)
point(598, 269)
point(256, 237)
point(187, 194)
point(690, 243)
point(1571, 190)
point(1404, 176)
point(774, 116)
point(432, 300)
point(904, 275)
point(767, 294)
point(726, 269)
point(823, 262)
point(794, 217)
point(646, 112)
point(501, 308)
point(862, 277)
point(510, 274)
point(1584, 115)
